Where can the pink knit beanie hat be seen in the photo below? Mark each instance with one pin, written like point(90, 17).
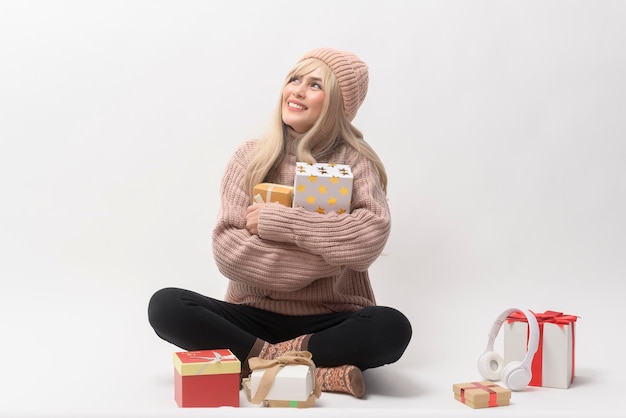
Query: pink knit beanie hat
point(351, 74)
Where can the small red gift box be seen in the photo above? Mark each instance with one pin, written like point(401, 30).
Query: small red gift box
point(553, 363)
point(481, 394)
point(206, 378)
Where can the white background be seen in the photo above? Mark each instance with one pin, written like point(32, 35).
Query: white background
point(501, 124)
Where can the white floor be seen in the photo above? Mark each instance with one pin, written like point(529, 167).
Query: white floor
point(69, 355)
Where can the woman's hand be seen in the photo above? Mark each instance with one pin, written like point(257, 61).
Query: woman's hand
point(252, 217)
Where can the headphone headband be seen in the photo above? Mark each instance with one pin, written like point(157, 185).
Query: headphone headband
point(517, 374)
point(533, 334)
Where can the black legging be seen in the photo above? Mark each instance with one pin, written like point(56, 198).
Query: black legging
point(370, 337)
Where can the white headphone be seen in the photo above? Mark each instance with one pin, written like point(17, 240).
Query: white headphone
point(517, 374)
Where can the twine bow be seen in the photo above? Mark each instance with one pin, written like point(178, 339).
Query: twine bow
point(272, 367)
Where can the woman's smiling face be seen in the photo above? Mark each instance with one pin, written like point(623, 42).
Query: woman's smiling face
point(303, 100)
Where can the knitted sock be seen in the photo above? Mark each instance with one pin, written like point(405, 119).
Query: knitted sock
point(271, 351)
point(345, 379)
point(267, 351)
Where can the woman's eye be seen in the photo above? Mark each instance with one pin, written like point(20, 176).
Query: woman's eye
point(294, 79)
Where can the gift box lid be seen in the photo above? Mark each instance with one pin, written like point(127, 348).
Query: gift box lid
point(204, 362)
point(323, 170)
point(482, 393)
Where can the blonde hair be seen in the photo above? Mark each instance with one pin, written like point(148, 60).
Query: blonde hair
point(328, 132)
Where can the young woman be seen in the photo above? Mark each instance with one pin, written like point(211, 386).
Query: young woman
point(298, 280)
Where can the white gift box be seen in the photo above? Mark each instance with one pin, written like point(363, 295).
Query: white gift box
point(323, 187)
point(553, 364)
point(293, 382)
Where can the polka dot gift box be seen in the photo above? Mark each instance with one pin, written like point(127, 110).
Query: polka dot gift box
point(323, 187)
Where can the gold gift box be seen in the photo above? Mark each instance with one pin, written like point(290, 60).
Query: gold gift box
point(271, 192)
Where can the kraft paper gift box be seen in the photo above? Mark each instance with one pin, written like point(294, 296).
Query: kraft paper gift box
point(323, 187)
point(206, 378)
point(553, 363)
point(271, 192)
point(481, 394)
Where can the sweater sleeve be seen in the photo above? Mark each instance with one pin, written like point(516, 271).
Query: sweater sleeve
point(353, 240)
point(249, 259)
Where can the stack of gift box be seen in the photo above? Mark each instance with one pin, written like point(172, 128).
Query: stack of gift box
point(319, 187)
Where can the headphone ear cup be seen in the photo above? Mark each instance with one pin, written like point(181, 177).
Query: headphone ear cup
point(515, 376)
point(490, 365)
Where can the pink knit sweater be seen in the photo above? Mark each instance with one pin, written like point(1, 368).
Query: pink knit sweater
point(301, 263)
